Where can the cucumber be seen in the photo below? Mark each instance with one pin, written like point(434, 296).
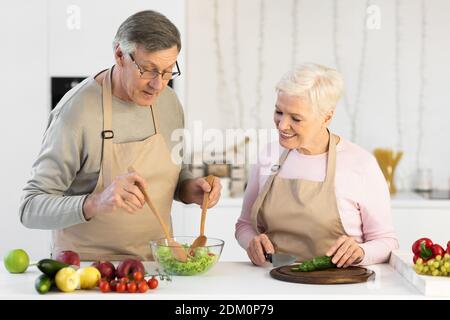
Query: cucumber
point(50, 267)
point(306, 266)
point(317, 263)
point(323, 262)
point(43, 283)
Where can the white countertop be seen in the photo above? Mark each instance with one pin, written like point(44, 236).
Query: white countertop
point(405, 199)
point(225, 281)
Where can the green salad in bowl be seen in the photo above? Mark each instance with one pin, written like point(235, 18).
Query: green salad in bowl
point(199, 260)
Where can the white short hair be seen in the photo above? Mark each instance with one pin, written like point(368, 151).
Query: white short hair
point(321, 86)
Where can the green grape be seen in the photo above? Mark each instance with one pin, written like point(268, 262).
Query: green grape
point(438, 257)
point(430, 262)
point(426, 269)
point(447, 265)
point(436, 264)
point(447, 256)
point(443, 269)
point(435, 273)
point(419, 261)
point(418, 269)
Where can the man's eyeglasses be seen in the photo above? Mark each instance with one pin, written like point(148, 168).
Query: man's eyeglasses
point(153, 74)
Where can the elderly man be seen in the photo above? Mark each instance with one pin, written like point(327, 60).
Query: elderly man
point(123, 117)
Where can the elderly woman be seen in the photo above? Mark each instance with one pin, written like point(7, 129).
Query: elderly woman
point(320, 194)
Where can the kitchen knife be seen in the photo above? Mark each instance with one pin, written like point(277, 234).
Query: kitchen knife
point(280, 259)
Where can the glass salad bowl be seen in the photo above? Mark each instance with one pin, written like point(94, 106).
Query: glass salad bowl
point(199, 260)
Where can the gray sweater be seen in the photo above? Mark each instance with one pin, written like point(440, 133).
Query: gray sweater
point(68, 165)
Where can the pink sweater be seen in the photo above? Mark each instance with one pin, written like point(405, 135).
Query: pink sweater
point(361, 192)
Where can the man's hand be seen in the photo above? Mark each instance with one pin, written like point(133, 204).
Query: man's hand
point(192, 190)
point(345, 252)
point(121, 193)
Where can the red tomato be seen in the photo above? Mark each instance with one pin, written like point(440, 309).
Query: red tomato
point(124, 280)
point(142, 286)
point(121, 287)
point(113, 285)
point(153, 283)
point(132, 287)
point(104, 286)
point(137, 276)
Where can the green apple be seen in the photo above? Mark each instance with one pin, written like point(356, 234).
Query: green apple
point(16, 261)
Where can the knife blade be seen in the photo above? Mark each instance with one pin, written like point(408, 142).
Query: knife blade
point(280, 259)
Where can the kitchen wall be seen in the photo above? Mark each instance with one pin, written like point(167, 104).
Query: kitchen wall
point(393, 56)
point(40, 39)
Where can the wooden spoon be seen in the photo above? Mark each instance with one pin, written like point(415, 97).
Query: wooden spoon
point(178, 251)
point(200, 241)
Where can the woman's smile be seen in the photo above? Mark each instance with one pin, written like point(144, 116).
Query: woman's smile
point(286, 136)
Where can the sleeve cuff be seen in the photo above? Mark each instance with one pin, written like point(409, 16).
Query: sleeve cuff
point(80, 210)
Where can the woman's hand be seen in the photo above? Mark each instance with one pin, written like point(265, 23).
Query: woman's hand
point(256, 248)
point(121, 193)
point(192, 191)
point(345, 251)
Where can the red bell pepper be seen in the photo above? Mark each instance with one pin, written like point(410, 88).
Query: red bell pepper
point(448, 247)
point(437, 250)
point(423, 248)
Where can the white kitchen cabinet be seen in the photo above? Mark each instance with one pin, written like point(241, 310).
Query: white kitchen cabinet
point(413, 217)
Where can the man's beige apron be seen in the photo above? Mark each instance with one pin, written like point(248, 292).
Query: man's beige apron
point(300, 217)
point(119, 234)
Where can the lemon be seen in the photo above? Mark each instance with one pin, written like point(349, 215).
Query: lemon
point(89, 277)
point(67, 279)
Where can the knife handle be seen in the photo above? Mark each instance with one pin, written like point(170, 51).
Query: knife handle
point(268, 257)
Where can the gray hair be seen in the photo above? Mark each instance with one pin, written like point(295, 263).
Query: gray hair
point(320, 86)
point(148, 28)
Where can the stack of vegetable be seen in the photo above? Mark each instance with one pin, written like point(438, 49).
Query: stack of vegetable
point(431, 258)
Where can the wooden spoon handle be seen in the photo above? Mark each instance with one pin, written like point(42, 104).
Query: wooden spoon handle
point(210, 180)
point(152, 206)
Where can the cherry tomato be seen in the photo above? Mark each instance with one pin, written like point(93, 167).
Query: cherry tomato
point(113, 285)
point(142, 286)
point(153, 283)
point(124, 280)
point(137, 276)
point(132, 287)
point(104, 286)
point(121, 287)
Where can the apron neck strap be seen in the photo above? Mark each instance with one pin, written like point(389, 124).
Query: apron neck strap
point(331, 162)
point(155, 118)
point(107, 134)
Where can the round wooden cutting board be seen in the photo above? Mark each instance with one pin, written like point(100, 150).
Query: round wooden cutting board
point(328, 276)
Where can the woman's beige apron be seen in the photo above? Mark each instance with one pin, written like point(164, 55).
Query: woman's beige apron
point(118, 235)
point(300, 217)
